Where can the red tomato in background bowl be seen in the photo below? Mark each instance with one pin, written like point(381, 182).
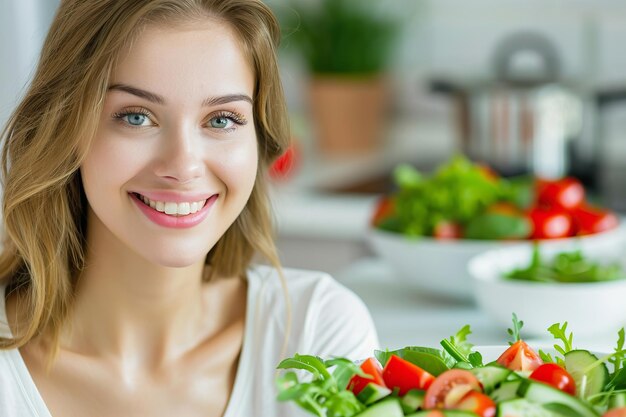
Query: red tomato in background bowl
point(566, 193)
point(589, 220)
point(551, 223)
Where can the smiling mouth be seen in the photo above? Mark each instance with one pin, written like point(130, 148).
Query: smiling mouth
point(172, 208)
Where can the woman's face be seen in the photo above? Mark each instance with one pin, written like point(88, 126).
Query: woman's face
point(175, 156)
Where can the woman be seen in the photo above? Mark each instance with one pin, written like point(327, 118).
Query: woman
point(134, 201)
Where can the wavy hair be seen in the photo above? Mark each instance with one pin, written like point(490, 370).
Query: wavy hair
point(48, 135)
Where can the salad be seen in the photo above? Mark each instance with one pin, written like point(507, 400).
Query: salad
point(566, 267)
point(455, 381)
point(467, 200)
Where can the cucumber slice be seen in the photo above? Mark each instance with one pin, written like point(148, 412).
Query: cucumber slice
point(442, 413)
point(506, 391)
point(372, 393)
point(491, 376)
point(617, 399)
point(412, 400)
point(386, 408)
point(554, 399)
point(521, 407)
point(587, 383)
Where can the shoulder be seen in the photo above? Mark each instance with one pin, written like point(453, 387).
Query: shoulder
point(306, 290)
point(327, 319)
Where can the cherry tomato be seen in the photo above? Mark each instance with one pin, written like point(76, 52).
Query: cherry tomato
point(447, 230)
point(458, 380)
point(371, 367)
point(567, 193)
point(553, 374)
point(550, 223)
point(402, 374)
point(589, 220)
point(385, 208)
point(478, 403)
point(520, 357)
point(616, 412)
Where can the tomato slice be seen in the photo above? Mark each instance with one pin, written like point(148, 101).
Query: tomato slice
point(405, 376)
point(385, 208)
point(550, 223)
point(520, 357)
point(450, 382)
point(616, 412)
point(478, 403)
point(553, 374)
point(567, 193)
point(590, 220)
point(447, 230)
point(372, 368)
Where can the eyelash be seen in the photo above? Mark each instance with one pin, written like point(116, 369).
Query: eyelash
point(127, 112)
point(236, 118)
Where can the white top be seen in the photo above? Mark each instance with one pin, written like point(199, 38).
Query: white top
point(327, 320)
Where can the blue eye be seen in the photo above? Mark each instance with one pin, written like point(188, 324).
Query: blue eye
point(136, 119)
point(221, 122)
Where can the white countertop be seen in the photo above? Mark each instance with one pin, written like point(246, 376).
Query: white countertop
point(403, 317)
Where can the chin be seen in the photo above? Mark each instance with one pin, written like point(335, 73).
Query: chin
point(176, 259)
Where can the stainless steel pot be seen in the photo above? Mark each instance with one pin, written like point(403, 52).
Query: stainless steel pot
point(526, 119)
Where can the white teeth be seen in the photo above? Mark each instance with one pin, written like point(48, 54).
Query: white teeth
point(173, 209)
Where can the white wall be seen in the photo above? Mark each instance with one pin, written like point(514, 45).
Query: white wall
point(23, 25)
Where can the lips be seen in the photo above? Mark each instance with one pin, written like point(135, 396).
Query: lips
point(173, 208)
point(173, 214)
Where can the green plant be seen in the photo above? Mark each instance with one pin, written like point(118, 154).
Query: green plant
point(340, 36)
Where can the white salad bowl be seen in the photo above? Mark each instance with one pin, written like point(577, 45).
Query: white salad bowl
point(439, 267)
point(590, 309)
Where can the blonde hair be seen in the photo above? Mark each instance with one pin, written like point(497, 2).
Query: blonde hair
point(48, 135)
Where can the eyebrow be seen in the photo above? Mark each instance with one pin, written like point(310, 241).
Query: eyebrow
point(155, 98)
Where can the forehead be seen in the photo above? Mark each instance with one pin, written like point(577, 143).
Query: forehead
point(186, 62)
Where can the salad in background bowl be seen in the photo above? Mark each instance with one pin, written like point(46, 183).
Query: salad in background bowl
point(431, 227)
point(585, 286)
point(459, 380)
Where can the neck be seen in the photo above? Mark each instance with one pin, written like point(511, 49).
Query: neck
point(146, 315)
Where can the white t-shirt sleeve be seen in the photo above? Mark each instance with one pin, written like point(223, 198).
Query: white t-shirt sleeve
point(343, 326)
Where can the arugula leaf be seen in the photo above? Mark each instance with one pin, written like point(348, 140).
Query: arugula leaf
point(558, 331)
point(515, 331)
point(618, 359)
point(431, 360)
point(460, 349)
point(309, 363)
point(546, 357)
point(344, 370)
point(326, 394)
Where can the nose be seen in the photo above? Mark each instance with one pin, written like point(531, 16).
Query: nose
point(180, 158)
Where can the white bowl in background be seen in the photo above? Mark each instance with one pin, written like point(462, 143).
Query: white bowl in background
point(440, 266)
point(596, 308)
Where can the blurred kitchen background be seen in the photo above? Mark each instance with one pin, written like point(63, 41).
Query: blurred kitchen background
point(526, 86)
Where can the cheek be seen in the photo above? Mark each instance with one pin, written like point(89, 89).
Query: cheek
point(106, 167)
point(239, 168)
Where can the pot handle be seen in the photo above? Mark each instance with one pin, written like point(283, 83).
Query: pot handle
point(610, 97)
point(446, 87)
point(530, 43)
